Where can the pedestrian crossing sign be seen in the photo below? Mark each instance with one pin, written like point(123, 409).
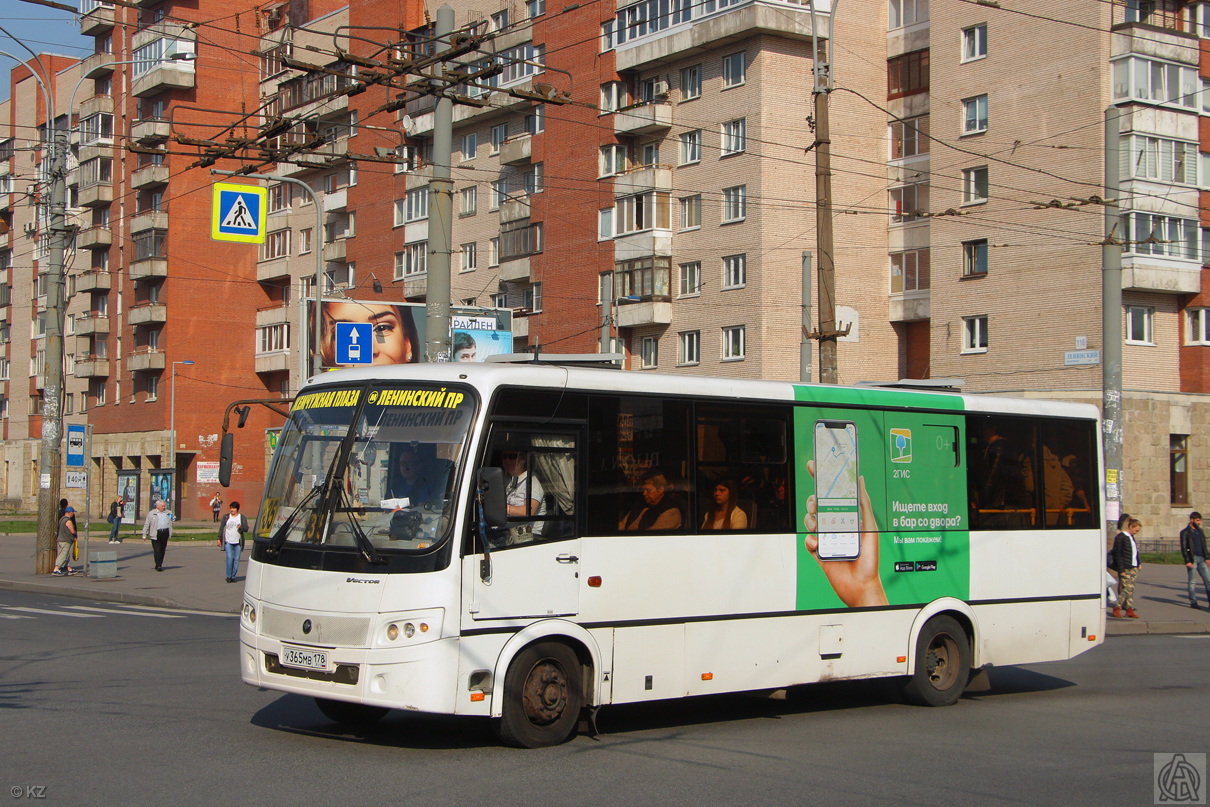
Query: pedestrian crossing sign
point(239, 213)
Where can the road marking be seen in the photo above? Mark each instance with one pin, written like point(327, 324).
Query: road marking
point(52, 613)
point(141, 608)
point(14, 616)
point(124, 613)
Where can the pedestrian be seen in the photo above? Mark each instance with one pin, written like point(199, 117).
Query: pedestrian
point(1126, 563)
point(231, 538)
point(158, 529)
point(117, 509)
point(216, 504)
point(67, 538)
point(1193, 550)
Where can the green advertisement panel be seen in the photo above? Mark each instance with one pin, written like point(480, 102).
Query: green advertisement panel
point(882, 507)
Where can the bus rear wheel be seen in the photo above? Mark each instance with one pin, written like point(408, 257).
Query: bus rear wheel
point(943, 664)
point(543, 696)
point(357, 715)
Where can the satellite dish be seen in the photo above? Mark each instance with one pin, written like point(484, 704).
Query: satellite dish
point(407, 123)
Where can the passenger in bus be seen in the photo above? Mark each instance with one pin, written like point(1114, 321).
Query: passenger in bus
point(657, 511)
point(394, 342)
point(726, 514)
point(412, 481)
point(523, 496)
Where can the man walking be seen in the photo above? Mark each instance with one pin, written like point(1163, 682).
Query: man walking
point(158, 529)
point(1193, 550)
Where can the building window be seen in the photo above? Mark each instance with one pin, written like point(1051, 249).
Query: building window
point(974, 334)
point(273, 338)
point(153, 387)
point(691, 82)
point(974, 42)
point(650, 352)
point(520, 239)
point(908, 74)
point(493, 251)
point(608, 38)
point(605, 224)
point(1168, 236)
point(735, 136)
point(470, 146)
point(689, 347)
point(974, 115)
point(649, 155)
point(735, 271)
point(469, 200)
point(909, 138)
point(532, 179)
point(974, 258)
point(691, 212)
point(413, 260)
point(906, 12)
point(499, 20)
point(534, 8)
point(277, 245)
point(691, 279)
point(1199, 16)
point(535, 121)
point(613, 96)
point(1178, 464)
point(96, 129)
point(909, 203)
point(499, 135)
point(499, 194)
point(643, 211)
point(1198, 332)
point(974, 185)
point(1159, 158)
point(97, 391)
point(733, 343)
point(909, 271)
point(691, 147)
point(735, 203)
point(279, 197)
point(735, 69)
point(470, 256)
point(413, 207)
point(304, 240)
point(1139, 320)
point(613, 159)
point(531, 298)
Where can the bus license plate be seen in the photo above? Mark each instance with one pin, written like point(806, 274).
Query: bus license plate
point(304, 658)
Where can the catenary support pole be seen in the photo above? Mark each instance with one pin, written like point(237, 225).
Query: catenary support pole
point(1111, 323)
point(441, 209)
point(805, 348)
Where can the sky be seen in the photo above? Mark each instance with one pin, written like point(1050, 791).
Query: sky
point(42, 29)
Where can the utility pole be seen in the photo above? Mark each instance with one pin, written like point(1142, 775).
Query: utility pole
point(441, 212)
point(1111, 325)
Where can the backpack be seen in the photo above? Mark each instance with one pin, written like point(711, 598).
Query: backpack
point(1109, 560)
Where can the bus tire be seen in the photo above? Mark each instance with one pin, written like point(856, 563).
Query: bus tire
point(351, 714)
point(543, 696)
point(943, 664)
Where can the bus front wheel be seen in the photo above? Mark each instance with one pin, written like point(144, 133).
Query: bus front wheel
point(350, 714)
point(543, 696)
point(943, 664)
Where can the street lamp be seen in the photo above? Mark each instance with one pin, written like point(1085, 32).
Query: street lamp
point(172, 413)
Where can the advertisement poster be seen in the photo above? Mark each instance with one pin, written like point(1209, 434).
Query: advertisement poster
point(161, 488)
point(882, 508)
point(207, 473)
point(128, 489)
point(399, 330)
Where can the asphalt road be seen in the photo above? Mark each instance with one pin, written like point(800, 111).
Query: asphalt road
point(110, 704)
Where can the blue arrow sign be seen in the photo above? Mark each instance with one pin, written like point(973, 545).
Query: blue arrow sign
point(354, 343)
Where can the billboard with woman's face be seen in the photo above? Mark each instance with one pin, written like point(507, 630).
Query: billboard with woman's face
point(399, 331)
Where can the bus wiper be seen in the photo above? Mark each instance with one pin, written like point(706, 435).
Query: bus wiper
point(364, 544)
point(279, 537)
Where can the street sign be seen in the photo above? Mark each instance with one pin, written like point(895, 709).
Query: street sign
point(1080, 358)
point(238, 213)
point(75, 446)
point(353, 343)
point(75, 479)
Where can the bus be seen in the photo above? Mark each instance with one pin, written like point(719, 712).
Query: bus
point(531, 542)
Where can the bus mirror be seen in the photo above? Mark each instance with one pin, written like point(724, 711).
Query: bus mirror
point(226, 452)
point(491, 497)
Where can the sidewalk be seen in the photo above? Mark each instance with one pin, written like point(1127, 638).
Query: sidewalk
point(193, 579)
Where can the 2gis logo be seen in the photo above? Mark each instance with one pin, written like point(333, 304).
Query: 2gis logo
point(901, 445)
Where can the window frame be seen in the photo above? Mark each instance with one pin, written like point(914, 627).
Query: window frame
point(975, 334)
point(974, 43)
point(735, 70)
point(690, 147)
point(689, 348)
point(1143, 315)
point(733, 137)
point(649, 353)
point(975, 258)
point(973, 125)
point(735, 204)
point(735, 271)
point(972, 179)
point(734, 343)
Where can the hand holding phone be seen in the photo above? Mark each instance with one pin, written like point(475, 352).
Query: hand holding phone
point(855, 581)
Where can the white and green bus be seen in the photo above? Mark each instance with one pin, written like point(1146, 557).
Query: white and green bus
point(528, 542)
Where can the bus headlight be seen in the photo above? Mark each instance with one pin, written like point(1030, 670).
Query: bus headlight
point(392, 631)
point(248, 614)
point(409, 628)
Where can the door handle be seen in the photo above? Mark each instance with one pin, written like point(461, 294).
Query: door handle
point(567, 559)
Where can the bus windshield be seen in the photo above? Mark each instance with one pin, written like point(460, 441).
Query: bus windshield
point(367, 467)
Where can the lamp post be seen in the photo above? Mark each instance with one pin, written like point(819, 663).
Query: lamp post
point(172, 426)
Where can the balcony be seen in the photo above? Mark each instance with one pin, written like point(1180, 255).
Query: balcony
point(1161, 274)
point(149, 220)
point(520, 328)
point(93, 281)
point(148, 267)
point(416, 286)
point(147, 314)
point(95, 195)
point(516, 150)
point(97, 65)
point(642, 313)
point(514, 210)
point(910, 306)
point(96, 105)
point(336, 250)
point(94, 238)
point(166, 75)
point(273, 362)
point(97, 21)
point(149, 176)
point(641, 180)
point(647, 244)
point(273, 315)
point(145, 359)
point(150, 130)
point(643, 119)
point(92, 367)
point(515, 270)
point(335, 201)
point(91, 324)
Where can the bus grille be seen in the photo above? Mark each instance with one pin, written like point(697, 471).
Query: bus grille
point(326, 629)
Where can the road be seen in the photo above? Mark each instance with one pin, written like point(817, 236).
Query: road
point(112, 704)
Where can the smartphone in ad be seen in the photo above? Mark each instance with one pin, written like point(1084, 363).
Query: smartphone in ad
point(836, 476)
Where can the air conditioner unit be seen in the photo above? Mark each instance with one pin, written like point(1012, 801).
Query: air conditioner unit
point(660, 89)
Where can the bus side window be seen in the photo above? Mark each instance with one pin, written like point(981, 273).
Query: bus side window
point(540, 484)
point(742, 468)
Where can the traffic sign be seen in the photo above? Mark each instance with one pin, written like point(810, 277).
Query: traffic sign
point(353, 343)
point(238, 213)
point(75, 446)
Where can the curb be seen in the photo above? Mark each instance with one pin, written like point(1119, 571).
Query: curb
point(99, 595)
point(1140, 628)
